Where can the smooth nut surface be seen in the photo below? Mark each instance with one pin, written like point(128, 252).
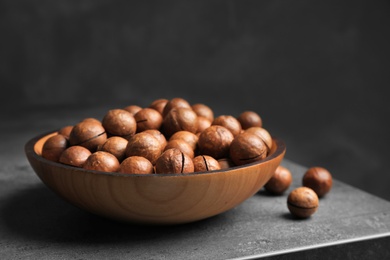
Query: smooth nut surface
point(203, 110)
point(230, 122)
point(203, 123)
point(102, 161)
point(302, 202)
point(88, 133)
point(247, 148)
point(318, 179)
point(136, 165)
point(159, 104)
point(249, 119)
point(54, 146)
point(65, 131)
point(263, 134)
point(115, 145)
point(145, 145)
point(225, 163)
point(159, 136)
point(133, 109)
point(182, 145)
point(179, 119)
point(215, 141)
point(119, 122)
point(75, 156)
point(280, 181)
point(176, 102)
point(148, 118)
point(187, 136)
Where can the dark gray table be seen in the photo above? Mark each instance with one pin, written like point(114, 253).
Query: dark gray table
point(36, 224)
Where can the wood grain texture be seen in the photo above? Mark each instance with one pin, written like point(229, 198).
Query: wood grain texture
point(151, 198)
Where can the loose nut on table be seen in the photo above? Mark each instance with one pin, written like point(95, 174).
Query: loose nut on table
point(302, 202)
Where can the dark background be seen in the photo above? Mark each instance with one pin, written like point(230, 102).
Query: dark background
point(316, 72)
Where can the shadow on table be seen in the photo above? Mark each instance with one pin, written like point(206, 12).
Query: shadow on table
point(37, 213)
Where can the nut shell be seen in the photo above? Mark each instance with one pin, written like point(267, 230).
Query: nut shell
point(115, 145)
point(247, 148)
point(88, 133)
point(203, 110)
point(54, 146)
point(280, 181)
point(302, 202)
point(230, 122)
point(133, 109)
point(215, 141)
point(119, 122)
point(225, 163)
point(145, 145)
point(249, 119)
point(174, 161)
point(136, 165)
point(179, 119)
point(65, 131)
point(148, 118)
point(203, 163)
point(203, 123)
point(159, 104)
point(182, 145)
point(75, 156)
point(187, 136)
point(176, 102)
point(263, 134)
point(102, 161)
point(318, 179)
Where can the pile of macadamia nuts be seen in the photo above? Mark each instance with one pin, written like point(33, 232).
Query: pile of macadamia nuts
point(168, 136)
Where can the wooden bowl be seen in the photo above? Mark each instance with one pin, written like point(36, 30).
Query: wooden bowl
point(154, 198)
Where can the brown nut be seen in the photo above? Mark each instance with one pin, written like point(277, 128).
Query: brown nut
point(203, 163)
point(148, 118)
point(247, 148)
point(249, 119)
point(318, 179)
point(145, 145)
point(176, 102)
point(92, 119)
point(215, 141)
point(159, 104)
point(136, 165)
point(65, 131)
point(302, 202)
point(263, 134)
point(115, 145)
point(119, 122)
point(204, 111)
point(174, 161)
point(179, 119)
point(225, 163)
point(75, 156)
point(88, 133)
point(280, 181)
point(54, 146)
point(188, 137)
point(203, 123)
point(230, 122)
point(182, 145)
point(159, 136)
point(133, 109)
point(102, 161)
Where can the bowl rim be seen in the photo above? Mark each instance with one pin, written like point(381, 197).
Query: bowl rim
point(30, 153)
